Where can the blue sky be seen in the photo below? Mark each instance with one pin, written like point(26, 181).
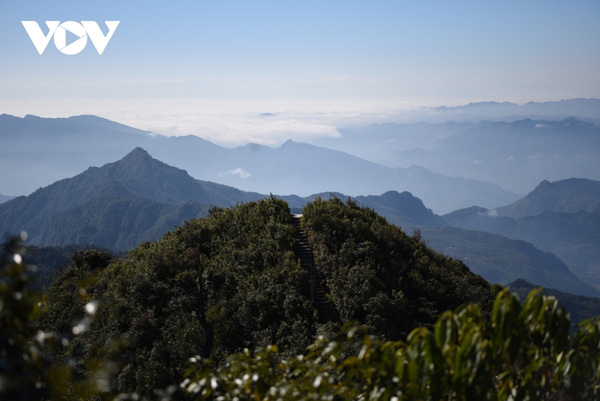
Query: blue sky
point(334, 54)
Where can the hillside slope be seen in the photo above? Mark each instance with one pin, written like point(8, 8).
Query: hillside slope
point(103, 193)
point(232, 280)
point(502, 260)
point(561, 217)
point(566, 196)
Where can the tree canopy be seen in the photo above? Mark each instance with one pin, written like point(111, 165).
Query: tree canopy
point(220, 308)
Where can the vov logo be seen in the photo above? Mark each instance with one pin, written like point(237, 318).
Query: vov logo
point(59, 31)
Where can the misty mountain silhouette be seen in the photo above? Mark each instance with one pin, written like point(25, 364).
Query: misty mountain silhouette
point(139, 198)
point(569, 196)
point(137, 176)
point(561, 217)
point(46, 150)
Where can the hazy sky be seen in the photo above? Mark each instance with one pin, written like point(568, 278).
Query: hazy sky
point(211, 67)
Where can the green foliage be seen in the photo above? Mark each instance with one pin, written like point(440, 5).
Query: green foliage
point(579, 307)
point(232, 281)
point(32, 363)
point(50, 261)
point(225, 285)
point(523, 352)
point(211, 287)
point(71, 291)
point(22, 360)
point(379, 276)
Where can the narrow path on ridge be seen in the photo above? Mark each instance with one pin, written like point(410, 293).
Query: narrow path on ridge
point(325, 311)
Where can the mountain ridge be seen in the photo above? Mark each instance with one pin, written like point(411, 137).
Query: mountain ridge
point(143, 176)
point(516, 155)
point(138, 198)
point(561, 217)
point(502, 260)
point(290, 168)
point(556, 196)
point(576, 107)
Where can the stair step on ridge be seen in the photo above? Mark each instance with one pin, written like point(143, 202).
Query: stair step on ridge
point(325, 311)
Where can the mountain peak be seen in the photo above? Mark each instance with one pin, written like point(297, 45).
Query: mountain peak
point(405, 205)
point(141, 162)
point(567, 196)
point(137, 153)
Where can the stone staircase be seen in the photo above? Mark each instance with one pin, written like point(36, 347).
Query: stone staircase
point(325, 311)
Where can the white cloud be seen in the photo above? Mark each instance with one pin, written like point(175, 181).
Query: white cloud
point(239, 172)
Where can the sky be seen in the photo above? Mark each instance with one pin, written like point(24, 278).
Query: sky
point(215, 68)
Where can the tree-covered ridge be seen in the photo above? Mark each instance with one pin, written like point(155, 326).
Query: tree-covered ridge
point(212, 287)
point(381, 277)
point(233, 280)
point(222, 286)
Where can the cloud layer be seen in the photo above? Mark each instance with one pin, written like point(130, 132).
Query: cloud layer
point(231, 122)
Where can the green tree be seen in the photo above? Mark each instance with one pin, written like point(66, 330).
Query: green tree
point(378, 276)
point(523, 352)
point(23, 362)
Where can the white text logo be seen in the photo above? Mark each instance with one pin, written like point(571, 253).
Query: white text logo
point(59, 31)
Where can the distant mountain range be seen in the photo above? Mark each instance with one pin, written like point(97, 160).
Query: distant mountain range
point(138, 198)
point(46, 150)
point(399, 208)
point(561, 217)
point(504, 144)
point(516, 155)
point(565, 196)
point(502, 260)
point(507, 111)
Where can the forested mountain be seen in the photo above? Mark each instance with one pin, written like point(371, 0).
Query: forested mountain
point(116, 206)
point(144, 326)
point(58, 148)
point(138, 198)
point(502, 260)
point(566, 196)
point(232, 280)
point(562, 217)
